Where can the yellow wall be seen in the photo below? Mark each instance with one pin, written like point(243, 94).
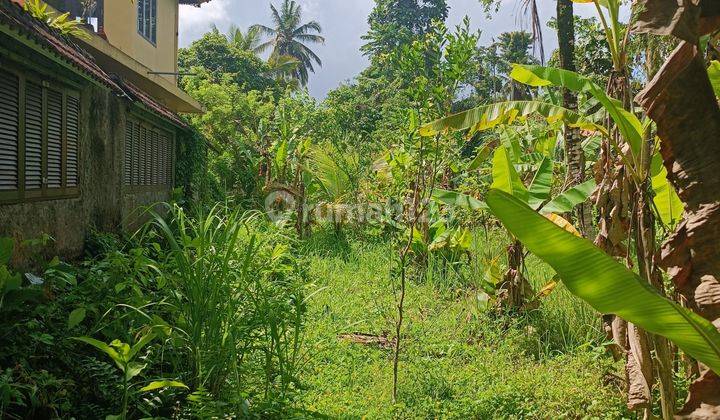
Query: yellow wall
point(122, 33)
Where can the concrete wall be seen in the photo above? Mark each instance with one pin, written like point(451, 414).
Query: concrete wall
point(122, 33)
point(104, 203)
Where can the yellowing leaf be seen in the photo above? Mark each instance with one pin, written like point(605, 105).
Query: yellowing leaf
point(563, 223)
point(547, 289)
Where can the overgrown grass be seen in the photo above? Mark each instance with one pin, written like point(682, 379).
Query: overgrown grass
point(459, 361)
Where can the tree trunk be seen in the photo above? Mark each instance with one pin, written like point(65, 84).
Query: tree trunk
point(515, 288)
point(574, 156)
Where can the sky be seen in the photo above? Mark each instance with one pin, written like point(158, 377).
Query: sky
point(344, 22)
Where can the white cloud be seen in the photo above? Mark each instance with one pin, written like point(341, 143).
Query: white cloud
point(196, 21)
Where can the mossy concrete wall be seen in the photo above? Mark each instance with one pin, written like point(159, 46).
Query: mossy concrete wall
point(104, 204)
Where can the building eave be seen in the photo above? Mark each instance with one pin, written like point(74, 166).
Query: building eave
point(115, 61)
point(196, 3)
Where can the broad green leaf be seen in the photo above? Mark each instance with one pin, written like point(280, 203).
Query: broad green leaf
point(152, 386)
point(489, 116)
point(510, 140)
point(607, 285)
point(102, 347)
point(541, 184)
point(123, 349)
point(480, 157)
point(669, 206)
point(629, 125)
point(714, 73)
point(281, 154)
point(134, 369)
point(505, 177)
point(454, 198)
point(76, 317)
point(462, 239)
point(6, 250)
point(147, 338)
point(568, 200)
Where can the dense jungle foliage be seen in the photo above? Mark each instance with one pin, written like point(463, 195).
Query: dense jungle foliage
point(462, 231)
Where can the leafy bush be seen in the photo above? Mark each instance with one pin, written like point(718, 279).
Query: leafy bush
point(222, 296)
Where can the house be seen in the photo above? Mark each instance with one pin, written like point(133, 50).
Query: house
point(89, 128)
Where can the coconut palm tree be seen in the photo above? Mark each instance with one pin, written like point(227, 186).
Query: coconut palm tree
point(247, 41)
point(288, 38)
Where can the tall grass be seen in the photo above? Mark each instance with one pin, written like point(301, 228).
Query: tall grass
point(238, 296)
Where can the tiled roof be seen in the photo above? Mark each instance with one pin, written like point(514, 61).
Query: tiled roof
point(134, 93)
point(12, 15)
point(51, 40)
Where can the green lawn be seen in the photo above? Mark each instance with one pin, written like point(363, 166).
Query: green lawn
point(458, 361)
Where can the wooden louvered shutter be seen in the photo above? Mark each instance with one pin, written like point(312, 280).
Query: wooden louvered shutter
point(129, 148)
point(144, 156)
point(171, 160)
point(72, 125)
point(163, 159)
point(9, 131)
point(33, 136)
point(156, 158)
point(136, 154)
point(54, 139)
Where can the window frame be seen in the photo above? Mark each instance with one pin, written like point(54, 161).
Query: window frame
point(66, 89)
point(147, 28)
point(146, 160)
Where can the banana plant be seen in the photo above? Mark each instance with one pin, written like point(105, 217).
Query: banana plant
point(125, 357)
point(607, 285)
point(631, 128)
point(443, 239)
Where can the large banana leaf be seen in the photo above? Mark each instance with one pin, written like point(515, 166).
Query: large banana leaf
point(489, 116)
point(669, 206)
point(541, 184)
point(454, 198)
point(568, 200)
point(605, 284)
point(629, 125)
point(505, 177)
point(482, 154)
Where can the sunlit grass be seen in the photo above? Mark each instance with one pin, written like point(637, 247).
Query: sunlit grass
point(459, 362)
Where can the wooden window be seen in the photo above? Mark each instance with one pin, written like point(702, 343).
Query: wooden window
point(148, 156)
point(39, 139)
point(72, 141)
point(9, 132)
point(147, 19)
point(33, 136)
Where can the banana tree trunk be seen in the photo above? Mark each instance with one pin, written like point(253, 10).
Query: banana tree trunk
point(681, 100)
point(516, 289)
point(625, 212)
